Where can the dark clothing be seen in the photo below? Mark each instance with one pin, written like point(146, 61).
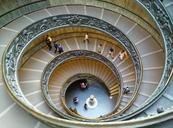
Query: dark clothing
point(75, 100)
point(85, 106)
point(60, 49)
point(83, 85)
point(160, 110)
point(126, 90)
point(56, 47)
point(49, 45)
point(48, 42)
point(111, 49)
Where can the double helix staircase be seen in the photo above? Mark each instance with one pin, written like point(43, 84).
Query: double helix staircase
point(151, 53)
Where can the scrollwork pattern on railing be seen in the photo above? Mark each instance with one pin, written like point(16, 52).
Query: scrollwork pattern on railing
point(160, 15)
point(166, 27)
point(62, 58)
point(153, 6)
point(17, 47)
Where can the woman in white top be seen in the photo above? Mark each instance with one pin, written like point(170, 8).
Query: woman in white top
point(122, 54)
point(86, 38)
point(49, 42)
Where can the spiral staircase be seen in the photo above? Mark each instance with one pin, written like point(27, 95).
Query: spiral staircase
point(34, 80)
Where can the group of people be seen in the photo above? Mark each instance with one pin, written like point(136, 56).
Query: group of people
point(111, 52)
point(126, 90)
point(122, 54)
point(91, 101)
point(56, 45)
point(83, 86)
point(59, 48)
point(76, 101)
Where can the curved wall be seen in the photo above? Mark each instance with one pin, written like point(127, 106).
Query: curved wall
point(45, 5)
point(12, 10)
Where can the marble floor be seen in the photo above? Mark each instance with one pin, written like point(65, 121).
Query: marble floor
point(104, 104)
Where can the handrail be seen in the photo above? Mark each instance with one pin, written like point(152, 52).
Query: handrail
point(104, 38)
point(15, 50)
point(66, 108)
point(159, 14)
point(81, 76)
point(131, 123)
point(110, 6)
point(62, 58)
point(78, 77)
point(35, 47)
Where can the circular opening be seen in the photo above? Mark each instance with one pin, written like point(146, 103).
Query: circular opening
point(86, 68)
point(89, 97)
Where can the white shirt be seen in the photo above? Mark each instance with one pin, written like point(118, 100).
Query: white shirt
point(49, 38)
point(86, 36)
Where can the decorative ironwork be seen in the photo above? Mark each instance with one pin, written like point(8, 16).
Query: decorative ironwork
point(163, 21)
point(25, 37)
point(80, 76)
point(62, 58)
point(87, 76)
point(153, 6)
point(166, 27)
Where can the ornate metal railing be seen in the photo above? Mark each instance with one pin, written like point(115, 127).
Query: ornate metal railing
point(80, 76)
point(156, 9)
point(73, 34)
point(166, 32)
point(16, 49)
point(87, 76)
point(66, 56)
point(70, 35)
point(164, 23)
